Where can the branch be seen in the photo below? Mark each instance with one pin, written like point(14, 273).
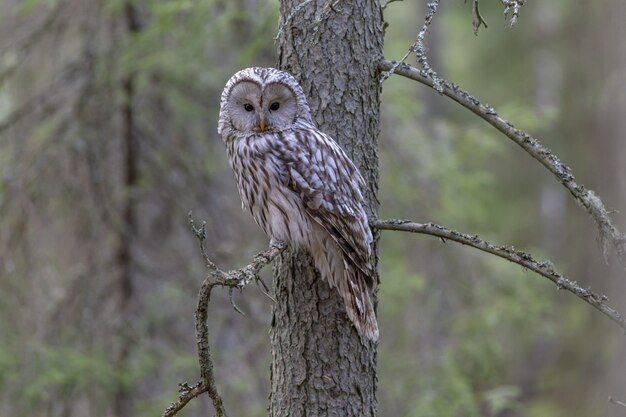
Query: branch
point(419, 49)
point(387, 3)
point(513, 5)
point(616, 402)
point(510, 254)
point(478, 19)
point(187, 393)
point(216, 277)
point(585, 197)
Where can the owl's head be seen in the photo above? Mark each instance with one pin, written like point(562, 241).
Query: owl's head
point(258, 99)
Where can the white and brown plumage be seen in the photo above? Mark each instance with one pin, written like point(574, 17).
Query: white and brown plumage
point(299, 185)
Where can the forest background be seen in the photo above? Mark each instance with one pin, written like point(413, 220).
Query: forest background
point(108, 139)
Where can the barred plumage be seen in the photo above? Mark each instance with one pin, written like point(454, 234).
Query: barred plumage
point(299, 185)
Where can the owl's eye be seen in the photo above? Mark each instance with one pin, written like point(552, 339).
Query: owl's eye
point(274, 106)
point(248, 107)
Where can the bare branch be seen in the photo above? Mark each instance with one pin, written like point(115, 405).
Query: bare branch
point(511, 254)
point(419, 49)
point(264, 289)
point(200, 233)
point(187, 393)
point(237, 279)
point(232, 302)
point(616, 402)
point(515, 6)
point(609, 234)
point(477, 20)
point(387, 3)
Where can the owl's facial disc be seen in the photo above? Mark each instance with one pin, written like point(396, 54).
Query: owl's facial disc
point(244, 107)
point(256, 109)
point(279, 107)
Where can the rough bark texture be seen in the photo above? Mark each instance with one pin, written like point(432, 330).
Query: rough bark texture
point(320, 366)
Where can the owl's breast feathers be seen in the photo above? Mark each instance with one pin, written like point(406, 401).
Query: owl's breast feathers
point(262, 179)
point(309, 164)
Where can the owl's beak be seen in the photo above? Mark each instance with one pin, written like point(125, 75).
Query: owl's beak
point(262, 125)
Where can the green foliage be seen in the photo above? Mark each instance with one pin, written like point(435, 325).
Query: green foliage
point(458, 326)
point(8, 368)
point(179, 61)
point(459, 334)
point(501, 316)
point(25, 6)
point(501, 399)
point(446, 394)
point(64, 372)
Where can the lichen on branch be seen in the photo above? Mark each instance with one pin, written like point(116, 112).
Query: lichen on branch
point(511, 254)
point(610, 235)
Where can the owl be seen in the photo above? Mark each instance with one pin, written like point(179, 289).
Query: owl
point(298, 184)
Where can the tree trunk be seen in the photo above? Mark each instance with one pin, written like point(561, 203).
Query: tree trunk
point(122, 402)
point(320, 366)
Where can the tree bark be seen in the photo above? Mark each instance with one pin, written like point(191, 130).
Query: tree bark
point(320, 366)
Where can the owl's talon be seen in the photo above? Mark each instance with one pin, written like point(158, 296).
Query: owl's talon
point(277, 244)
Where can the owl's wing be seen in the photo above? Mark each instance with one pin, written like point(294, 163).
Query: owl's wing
point(330, 187)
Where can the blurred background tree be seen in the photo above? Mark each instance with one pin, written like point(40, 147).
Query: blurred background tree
point(108, 138)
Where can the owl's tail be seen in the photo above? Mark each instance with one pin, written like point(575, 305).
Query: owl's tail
point(358, 301)
point(352, 283)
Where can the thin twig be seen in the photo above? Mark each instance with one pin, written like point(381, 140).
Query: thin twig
point(609, 234)
point(511, 254)
point(477, 19)
point(387, 3)
point(616, 402)
point(394, 67)
point(419, 49)
point(187, 393)
point(200, 233)
point(514, 5)
point(237, 279)
point(265, 290)
point(232, 302)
